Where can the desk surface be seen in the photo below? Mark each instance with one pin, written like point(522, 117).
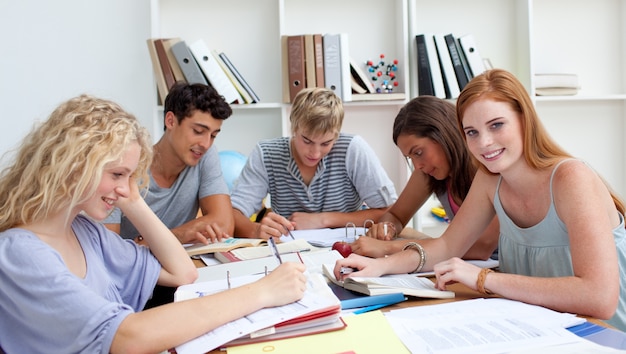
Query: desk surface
point(461, 292)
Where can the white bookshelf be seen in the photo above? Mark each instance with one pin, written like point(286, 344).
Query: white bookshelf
point(522, 36)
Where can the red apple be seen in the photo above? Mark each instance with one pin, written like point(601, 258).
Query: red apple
point(343, 248)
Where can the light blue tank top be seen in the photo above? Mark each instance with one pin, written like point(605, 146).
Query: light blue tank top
point(530, 251)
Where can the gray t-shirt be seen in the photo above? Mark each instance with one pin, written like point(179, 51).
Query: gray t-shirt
point(350, 175)
point(179, 203)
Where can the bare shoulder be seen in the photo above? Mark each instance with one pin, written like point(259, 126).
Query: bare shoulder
point(576, 174)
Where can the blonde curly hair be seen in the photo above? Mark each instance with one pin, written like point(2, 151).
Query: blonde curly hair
point(61, 161)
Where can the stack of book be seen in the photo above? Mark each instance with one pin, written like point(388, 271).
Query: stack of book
point(556, 84)
point(323, 60)
point(173, 60)
point(445, 64)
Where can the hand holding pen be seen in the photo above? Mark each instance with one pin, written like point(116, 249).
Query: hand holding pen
point(274, 225)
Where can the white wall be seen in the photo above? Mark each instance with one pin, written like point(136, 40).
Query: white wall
point(54, 50)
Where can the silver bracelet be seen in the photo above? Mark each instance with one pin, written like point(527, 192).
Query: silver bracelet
point(419, 250)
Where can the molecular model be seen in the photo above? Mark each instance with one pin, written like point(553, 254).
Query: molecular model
point(383, 74)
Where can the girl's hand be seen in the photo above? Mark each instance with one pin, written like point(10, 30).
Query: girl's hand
point(358, 266)
point(455, 270)
point(283, 285)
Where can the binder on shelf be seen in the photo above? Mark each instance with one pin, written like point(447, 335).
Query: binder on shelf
point(296, 65)
point(238, 76)
point(464, 63)
point(309, 60)
point(459, 71)
point(337, 65)
point(178, 73)
point(284, 59)
point(472, 55)
point(318, 46)
point(447, 69)
point(168, 74)
point(424, 78)
point(231, 76)
point(188, 64)
point(158, 74)
point(213, 72)
point(435, 68)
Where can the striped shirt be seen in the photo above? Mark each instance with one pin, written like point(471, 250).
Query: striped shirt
point(349, 176)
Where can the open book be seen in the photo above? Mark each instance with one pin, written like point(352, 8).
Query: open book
point(224, 246)
point(318, 311)
point(245, 253)
point(408, 284)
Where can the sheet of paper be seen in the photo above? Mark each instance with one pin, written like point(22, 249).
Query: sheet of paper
point(481, 326)
point(326, 237)
point(317, 296)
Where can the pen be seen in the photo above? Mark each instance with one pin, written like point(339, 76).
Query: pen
point(272, 245)
point(290, 234)
point(371, 308)
point(347, 270)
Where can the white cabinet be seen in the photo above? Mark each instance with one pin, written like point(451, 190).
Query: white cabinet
point(523, 36)
point(587, 38)
point(249, 31)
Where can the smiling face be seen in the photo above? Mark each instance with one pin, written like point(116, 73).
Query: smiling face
point(425, 154)
point(494, 134)
point(309, 150)
point(193, 136)
point(114, 183)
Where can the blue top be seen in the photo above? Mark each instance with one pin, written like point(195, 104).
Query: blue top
point(350, 175)
point(543, 250)
point(44, 308)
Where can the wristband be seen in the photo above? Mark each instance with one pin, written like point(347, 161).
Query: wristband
point(480, 281)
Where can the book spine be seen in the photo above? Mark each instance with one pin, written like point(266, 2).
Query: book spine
point(158, 74)
point(309, 60)
point(474, 59)
point(212, 71)
point(319, 60)
point(461, 76)
point(447, 69)
point(168, 74)
point(244, 83)
point(424, 79)
point(295, 61)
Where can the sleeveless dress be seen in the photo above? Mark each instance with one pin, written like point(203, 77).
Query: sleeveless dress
point(543, 250)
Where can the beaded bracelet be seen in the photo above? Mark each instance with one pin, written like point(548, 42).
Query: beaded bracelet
point(419, 250)
point(480, 281)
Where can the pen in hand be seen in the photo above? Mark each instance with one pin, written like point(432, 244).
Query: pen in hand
point(272, 245)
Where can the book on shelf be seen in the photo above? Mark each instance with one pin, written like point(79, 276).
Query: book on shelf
point(224, 246)
point(350, 299)
point(164, 61)
point(459, 70)
point(162, 89)
point(556, 84)
point(318, 46)
point(447, 68)
point(260, 251)
point(189, 66)
point(472, 55)
point(435, 68)
point(213, 72)
point(231, 76)
point(408, 284)
point(359, 77)
point(178, 73)
point(390, 96)
point(239, 77)
point(309, 60)
point(318, 311)
point(296, 65)
point(425, 82)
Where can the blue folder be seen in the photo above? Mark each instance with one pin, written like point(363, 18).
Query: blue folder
point(608, 337)
point(351, 299)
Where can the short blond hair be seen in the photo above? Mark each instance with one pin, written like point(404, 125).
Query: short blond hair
point(316, 111)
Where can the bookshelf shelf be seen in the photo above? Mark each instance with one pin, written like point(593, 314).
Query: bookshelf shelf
point(522, 36)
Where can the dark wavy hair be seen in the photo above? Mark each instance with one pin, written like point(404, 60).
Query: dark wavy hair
point(183, 99)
